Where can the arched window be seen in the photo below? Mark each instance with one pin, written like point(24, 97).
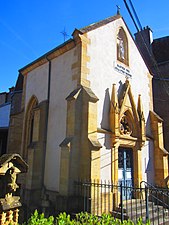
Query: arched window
point(31, 124)
point(122, 47)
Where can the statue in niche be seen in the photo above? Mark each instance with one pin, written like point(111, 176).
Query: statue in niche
point(122, 46)
point(12, 185)
point(121, 49)
point(124, 126)
point(11, 165)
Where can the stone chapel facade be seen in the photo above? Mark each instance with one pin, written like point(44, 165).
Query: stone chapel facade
point(86, 105)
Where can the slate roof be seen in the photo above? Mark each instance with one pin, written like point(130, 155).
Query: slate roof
point(100, 23)
point(160, 49)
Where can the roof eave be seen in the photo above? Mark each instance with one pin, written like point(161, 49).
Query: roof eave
point(48, 56)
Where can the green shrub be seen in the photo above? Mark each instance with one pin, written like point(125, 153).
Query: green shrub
point(39, 219)
point(80, 219)
point(89, 219)
point(64, 219)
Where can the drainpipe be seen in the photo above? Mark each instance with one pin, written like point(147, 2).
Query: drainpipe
point(49, 79)
point(47, 112)
point(45, 201)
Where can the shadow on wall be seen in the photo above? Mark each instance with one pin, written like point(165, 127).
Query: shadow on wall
point(120, 88)
point(105, 123)
point(150, 168)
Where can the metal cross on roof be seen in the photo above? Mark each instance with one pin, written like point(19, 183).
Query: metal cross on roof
point(118, 9)
point(65, 35)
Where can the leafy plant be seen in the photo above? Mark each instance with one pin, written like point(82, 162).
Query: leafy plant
point(82, 218)
point(39, 219)
point(64, 219)
point(85, 218)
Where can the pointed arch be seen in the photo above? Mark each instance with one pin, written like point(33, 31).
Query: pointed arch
point(31, 124)
point(127, 129)
point(33, 102)
point(122, 46)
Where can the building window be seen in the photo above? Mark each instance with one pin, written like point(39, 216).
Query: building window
point(32, 122)
point(34, 125)
point(31, 128)
point(122, 47)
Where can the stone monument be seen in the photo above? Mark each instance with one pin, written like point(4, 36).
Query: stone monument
point(11, 165)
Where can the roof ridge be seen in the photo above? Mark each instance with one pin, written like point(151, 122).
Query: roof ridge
point(99, 23)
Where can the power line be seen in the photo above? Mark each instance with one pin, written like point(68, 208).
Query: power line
point(131, 15)
point(154, 62)
point(135, 14)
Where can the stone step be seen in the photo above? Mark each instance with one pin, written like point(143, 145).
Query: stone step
point(136, 205)
point(154, 220)
point(157, 217)
point(134, 209)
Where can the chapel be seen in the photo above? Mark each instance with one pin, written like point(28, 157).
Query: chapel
point(86, 112)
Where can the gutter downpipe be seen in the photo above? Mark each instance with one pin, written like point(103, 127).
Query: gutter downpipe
point(46, 135)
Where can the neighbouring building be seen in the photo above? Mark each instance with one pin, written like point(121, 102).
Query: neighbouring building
point(86, 112)
point(155, 54)
point(16, 118)
point(5, 106)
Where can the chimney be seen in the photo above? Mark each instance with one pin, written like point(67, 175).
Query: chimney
point(144, 39)
point(145, 35)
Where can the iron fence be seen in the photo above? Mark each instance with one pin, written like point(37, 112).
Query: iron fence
point(124, 202)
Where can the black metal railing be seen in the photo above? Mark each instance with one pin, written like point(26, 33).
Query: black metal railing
point(124, 202)
point(159, 199)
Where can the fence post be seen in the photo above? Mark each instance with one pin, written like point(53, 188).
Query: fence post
point(121, 201)
point(147, 209)
point(84, 200)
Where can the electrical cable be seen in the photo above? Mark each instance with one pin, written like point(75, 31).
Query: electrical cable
point(131, 15)
point(154, 62)
point(135, 14)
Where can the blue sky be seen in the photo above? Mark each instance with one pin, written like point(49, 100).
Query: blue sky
point(30, 28)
